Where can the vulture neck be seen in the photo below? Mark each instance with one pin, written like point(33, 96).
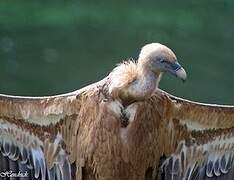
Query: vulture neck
point(146, 83)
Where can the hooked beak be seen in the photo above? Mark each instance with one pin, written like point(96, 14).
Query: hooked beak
point(177, 70)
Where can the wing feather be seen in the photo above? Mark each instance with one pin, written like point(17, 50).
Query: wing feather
point(205, 150)
point(24, 150)
point(38, 134)
point(200, 116)
point(204, 161)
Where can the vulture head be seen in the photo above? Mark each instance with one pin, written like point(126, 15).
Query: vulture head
point(137, 80)
point(158, 58)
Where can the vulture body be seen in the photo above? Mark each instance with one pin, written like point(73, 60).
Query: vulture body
point(117, 129)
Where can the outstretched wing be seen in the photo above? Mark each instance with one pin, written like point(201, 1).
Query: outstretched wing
point(38, 135)
point(204, 148)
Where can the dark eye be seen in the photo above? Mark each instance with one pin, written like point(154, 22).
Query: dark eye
point(164, 61)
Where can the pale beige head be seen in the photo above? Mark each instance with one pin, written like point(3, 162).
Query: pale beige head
point(159, 58)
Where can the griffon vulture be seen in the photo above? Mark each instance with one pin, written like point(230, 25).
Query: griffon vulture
point(121, 128)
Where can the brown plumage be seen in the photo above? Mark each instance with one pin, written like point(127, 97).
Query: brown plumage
point(80, 135)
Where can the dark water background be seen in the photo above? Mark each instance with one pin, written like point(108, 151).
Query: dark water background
point(52, 47)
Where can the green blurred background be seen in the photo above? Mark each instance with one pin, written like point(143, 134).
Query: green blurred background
point(52, 47)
